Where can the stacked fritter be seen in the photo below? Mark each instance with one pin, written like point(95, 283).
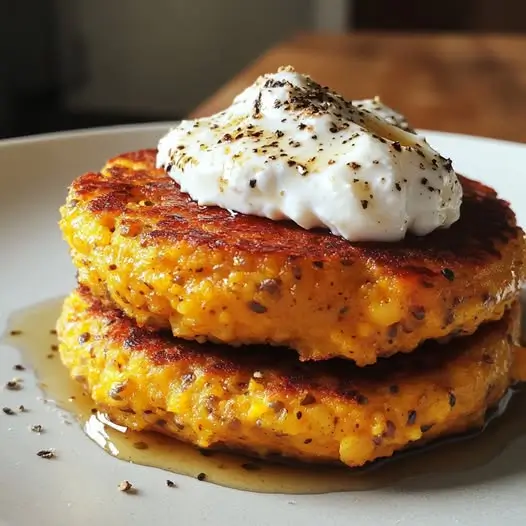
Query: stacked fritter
point(234, 331)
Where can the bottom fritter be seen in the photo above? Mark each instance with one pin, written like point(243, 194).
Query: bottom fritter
point(265, 402)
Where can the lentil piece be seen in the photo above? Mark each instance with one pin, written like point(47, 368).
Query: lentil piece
point(187, 380)
point(411, 417)
point(425, 428)
point(116, 389)
point(201, 476)
point(171, 483)
point(296, 272)
point(270, 285)
point(397, 146)
point(257, 307)
point(19, 367)
point(452, 399)
point(392, 330)
point(390, 429)
point(419, 313)
point(8, 411)
point(308, 399)
point(84, 337)
point(37, 428)
point(450, 317)
point(15, 332)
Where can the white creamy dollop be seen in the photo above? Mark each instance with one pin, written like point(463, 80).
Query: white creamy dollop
point(288, 148)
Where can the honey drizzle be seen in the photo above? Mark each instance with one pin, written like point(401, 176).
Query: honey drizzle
point(448, 456)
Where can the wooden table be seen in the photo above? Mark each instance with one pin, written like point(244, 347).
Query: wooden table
point(465, 83)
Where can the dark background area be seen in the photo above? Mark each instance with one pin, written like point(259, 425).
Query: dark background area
point(502, 16)
point(38, 37)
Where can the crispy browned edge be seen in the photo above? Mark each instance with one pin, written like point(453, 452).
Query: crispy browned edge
point(283, 372)
point(486, 225)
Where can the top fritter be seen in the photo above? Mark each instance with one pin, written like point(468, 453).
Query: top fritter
point(144, 245)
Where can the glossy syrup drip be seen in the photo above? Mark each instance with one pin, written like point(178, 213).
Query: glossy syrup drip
point(449, 456)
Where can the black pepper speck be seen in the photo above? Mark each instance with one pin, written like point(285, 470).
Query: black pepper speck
point(448, 274)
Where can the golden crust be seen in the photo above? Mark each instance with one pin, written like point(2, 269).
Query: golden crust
point(266, 402)
point(138, 241)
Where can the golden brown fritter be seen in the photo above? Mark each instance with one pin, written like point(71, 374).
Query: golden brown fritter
point(266, 402)
point(210, 275)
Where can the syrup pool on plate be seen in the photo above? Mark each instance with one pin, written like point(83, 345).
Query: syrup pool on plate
point(31, 332)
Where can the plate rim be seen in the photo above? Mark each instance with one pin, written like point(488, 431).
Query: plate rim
point(153, 125)
point(276, 509)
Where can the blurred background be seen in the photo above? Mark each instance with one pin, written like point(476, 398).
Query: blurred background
point(68, 64)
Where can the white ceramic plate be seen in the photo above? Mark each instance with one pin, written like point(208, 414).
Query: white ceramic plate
point(79, 486)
